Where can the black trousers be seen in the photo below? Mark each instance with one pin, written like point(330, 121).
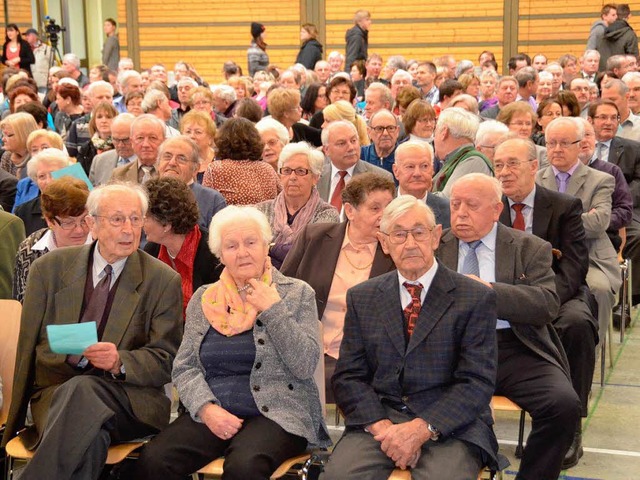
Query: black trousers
point(185, 446)
point(544, 391)
point(86, 415)
point(576, 326)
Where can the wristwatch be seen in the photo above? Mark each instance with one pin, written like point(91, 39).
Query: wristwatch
point(435, 433)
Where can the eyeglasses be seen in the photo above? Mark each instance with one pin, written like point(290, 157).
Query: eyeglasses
point(604, 118)
point(398, 237)
point(273, 142)
point(563, 144)
point(120, 220)
point(510, 164)
point(521, 124)
point(300, 172)
point(123, 141)
point(390, 129)
point(71, 224)
point(180, 159)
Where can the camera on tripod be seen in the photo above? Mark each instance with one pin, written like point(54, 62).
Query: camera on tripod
point(52, 29)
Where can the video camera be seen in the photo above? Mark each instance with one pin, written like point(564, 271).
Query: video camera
point(52, 30)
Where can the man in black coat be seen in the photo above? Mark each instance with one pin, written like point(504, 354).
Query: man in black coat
point(357, 38)
point(557, 218)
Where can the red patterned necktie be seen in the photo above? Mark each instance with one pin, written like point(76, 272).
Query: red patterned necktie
point(412, 311)
point(518, 222)
point(336, 198)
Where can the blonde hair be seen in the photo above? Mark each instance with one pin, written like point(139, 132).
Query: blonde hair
point(22, 124)
point(54, 139)
point(343, 110)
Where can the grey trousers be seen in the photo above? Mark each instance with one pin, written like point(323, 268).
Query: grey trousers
point(358, 455)
point(86, 415)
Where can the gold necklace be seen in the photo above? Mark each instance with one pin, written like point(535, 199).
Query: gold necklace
point(355, 266)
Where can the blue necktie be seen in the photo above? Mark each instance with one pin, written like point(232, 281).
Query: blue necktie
point(562, 179)
point(470, 265)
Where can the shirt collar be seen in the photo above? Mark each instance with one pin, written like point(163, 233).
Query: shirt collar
point(99, 263)
point(400, 192)
point(335, 170)
point(528, 200)
point(347, 243)
point(489, 240)
point(425, 279)
point(570, 171)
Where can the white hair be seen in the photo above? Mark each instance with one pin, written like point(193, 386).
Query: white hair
point(315, 158)
point(425, 149)
point(544, 75)
point(151, 100)
point(488, 127)
point(48, 156)
point(401, 73)
point(268, 124)
point(69, 81)
point(126, 75)
point(630, 76)
point(188, 80)
point(97, 195)
point(568, 121)
point(587, 52)
point(225, 92)
point(148, 118)
point(461, 124)
point(99, 83)
point(468, 100)
point(494, 183)
point(336, 54)
point(236, 215)
point(73, 59)
point(401, 205)
point(326, 131)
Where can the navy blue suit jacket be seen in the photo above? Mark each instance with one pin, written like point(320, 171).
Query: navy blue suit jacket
point(445, 375)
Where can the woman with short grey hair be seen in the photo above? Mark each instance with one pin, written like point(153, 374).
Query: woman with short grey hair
point(245, 368)
point(298, 204)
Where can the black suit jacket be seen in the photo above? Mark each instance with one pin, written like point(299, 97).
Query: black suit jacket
point(557, 218)
point(8, 190)
point(315, 253)
point(626, 154)
point(446, 373)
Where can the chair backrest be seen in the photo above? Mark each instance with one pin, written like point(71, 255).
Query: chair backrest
point(12, 310)
point(318, 375)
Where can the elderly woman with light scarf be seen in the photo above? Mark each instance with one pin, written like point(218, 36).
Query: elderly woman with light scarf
point(299, 203)
point(245, 368)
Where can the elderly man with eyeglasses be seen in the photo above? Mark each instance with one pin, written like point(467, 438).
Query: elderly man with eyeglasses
point(83, 399)
point(556, 218)
point(383, 131)
point(417, 362)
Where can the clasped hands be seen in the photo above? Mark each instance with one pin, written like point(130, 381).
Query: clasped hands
point(401, 442)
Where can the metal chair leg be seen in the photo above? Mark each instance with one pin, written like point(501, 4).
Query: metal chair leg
point(603, 353)
point(520, 446)
point(624, 301)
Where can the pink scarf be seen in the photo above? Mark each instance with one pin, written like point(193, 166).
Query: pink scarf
point(285, 233)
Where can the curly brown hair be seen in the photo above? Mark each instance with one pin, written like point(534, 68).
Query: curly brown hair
point(64, 197)
point(171, 202)
point(356, 191)
point(238, 139)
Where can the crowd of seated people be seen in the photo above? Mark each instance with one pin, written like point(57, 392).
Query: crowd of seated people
point(208, 229)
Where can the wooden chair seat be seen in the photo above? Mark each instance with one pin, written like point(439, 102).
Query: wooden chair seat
point(504, 404)
point(216, 467)
point(399, 474)
point(116, 453)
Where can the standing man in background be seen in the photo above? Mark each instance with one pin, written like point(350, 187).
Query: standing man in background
point(357, 38)
point(111, 48)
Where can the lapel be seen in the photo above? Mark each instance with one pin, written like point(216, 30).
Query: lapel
point(324, 184)
point(69, 297)
point(132, 172)
point(382, 263)
point(125, 301)
point(542, 212)
point(390, 311)
point(505, 215)
point(505, 256)
point(577, 180)
point(547, 179)
point(325, 264)
point(616, 149)
point(436, 303)
point(448, 250)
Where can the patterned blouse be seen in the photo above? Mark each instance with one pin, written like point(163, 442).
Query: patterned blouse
point(24, 258)
point(243, 182)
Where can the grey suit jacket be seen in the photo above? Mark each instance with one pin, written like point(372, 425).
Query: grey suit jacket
point(595, 190)
point(102, 167)
point(324, 184)
point(525, 288)
point(288, 353)
point(145, 323)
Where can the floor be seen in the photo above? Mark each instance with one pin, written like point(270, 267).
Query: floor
point(611, 432)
